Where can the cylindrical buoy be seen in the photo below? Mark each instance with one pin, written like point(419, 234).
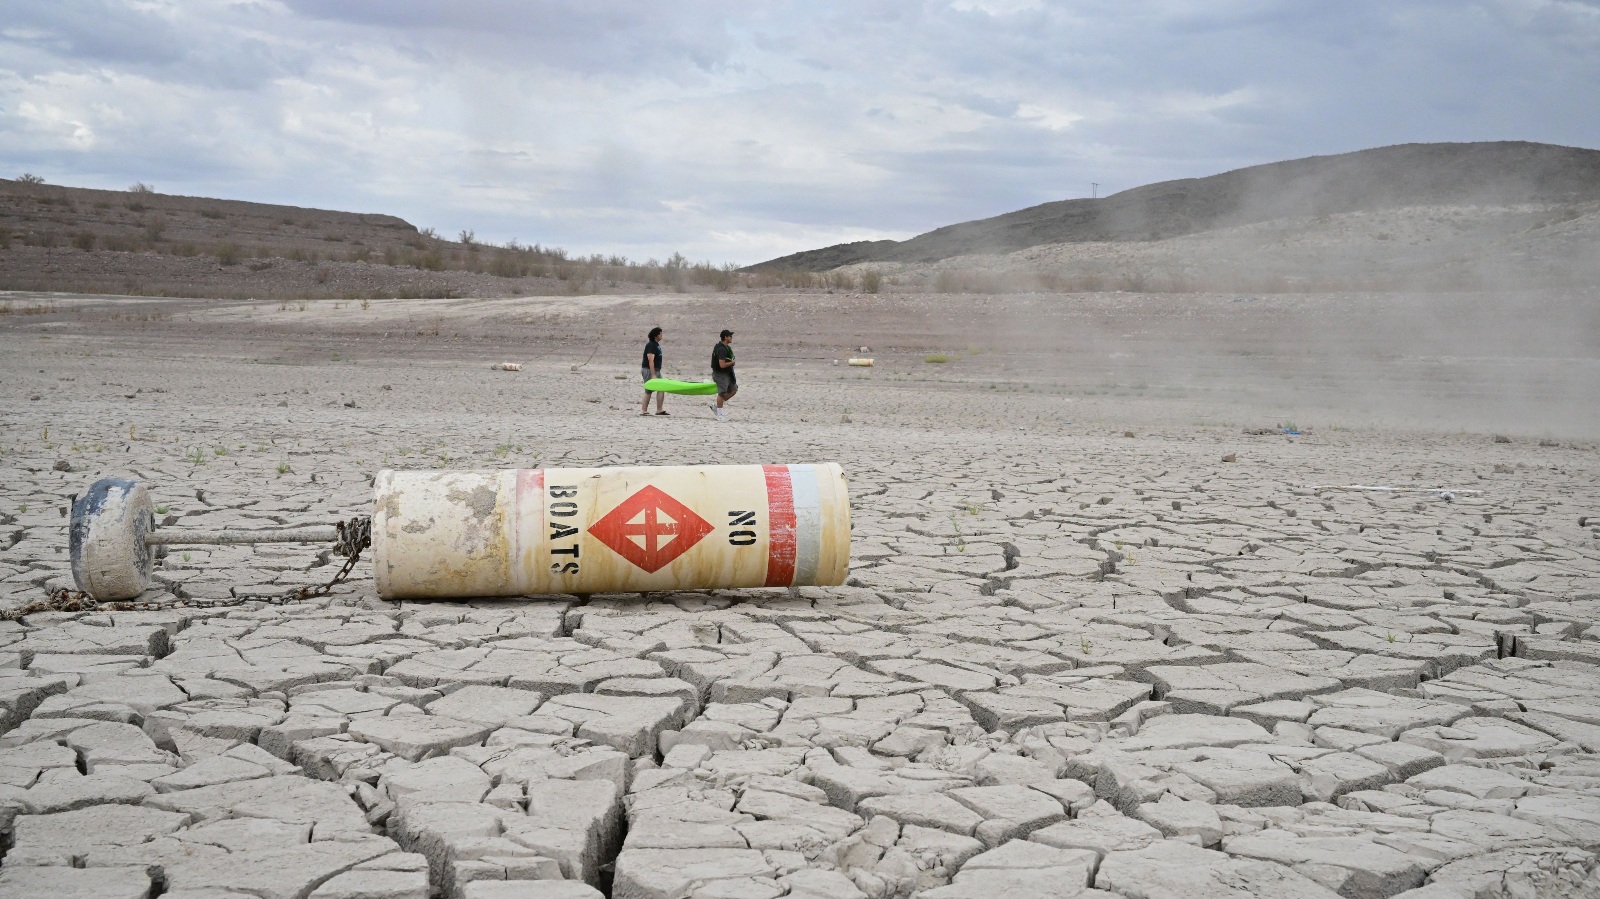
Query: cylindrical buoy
point(440, 534)
point(861, 363)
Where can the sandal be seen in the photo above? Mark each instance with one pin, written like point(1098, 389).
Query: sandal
point(662, 412)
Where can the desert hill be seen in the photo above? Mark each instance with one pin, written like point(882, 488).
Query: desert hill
point(1415, 216)
point(1501, 174)
point(141, 218)
point(138, 241)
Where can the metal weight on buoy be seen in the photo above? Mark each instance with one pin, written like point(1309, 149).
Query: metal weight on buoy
point(452, 534)
point(113, 533)
point(109, 539)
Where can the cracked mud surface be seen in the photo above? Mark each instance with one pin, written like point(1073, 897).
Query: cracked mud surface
point(1068, 662)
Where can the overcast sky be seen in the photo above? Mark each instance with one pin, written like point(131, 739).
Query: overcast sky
point(740, 130)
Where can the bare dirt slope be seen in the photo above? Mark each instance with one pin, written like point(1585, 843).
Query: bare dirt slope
point(1409, 175)
point(1449, 248)
point(139, 242)
point(146, 217)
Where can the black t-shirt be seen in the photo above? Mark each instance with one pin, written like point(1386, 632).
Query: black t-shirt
point(651, 348)
point(719, 352)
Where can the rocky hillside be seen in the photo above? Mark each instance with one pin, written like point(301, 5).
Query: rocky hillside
point(139, 242)
point(1504, 174)
point(1429, 248)
point(48, 214)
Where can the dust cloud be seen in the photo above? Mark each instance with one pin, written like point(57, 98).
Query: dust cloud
point(1477, 316)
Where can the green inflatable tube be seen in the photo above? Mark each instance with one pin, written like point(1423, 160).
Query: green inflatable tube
point(687, 388)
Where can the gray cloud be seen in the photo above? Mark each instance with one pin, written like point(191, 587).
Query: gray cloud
point(168, 44)
point(743, 131)
point(611, 38)
point(99, 32)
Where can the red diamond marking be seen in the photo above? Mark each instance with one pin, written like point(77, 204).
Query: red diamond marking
point(650, 529)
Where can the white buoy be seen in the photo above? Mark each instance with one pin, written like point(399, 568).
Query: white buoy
point(444, 534)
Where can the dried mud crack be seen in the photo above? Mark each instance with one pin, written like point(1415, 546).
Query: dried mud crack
point(1067, 663)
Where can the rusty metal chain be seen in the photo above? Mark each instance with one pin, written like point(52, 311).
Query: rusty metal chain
point(354, 536)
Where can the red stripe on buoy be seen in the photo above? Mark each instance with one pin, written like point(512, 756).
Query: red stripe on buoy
point(530, 481)
point(529, 496)
point(781, 539)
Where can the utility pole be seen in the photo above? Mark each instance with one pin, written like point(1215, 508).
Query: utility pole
point(1094, 190)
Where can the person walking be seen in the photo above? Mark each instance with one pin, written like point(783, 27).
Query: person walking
point(722, 374)
point(650, 367)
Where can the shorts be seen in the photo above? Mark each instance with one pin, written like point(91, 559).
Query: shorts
point(644, 374)
point(725, 381)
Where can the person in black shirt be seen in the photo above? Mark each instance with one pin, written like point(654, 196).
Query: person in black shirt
point(722, 373)
point(650, 367)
